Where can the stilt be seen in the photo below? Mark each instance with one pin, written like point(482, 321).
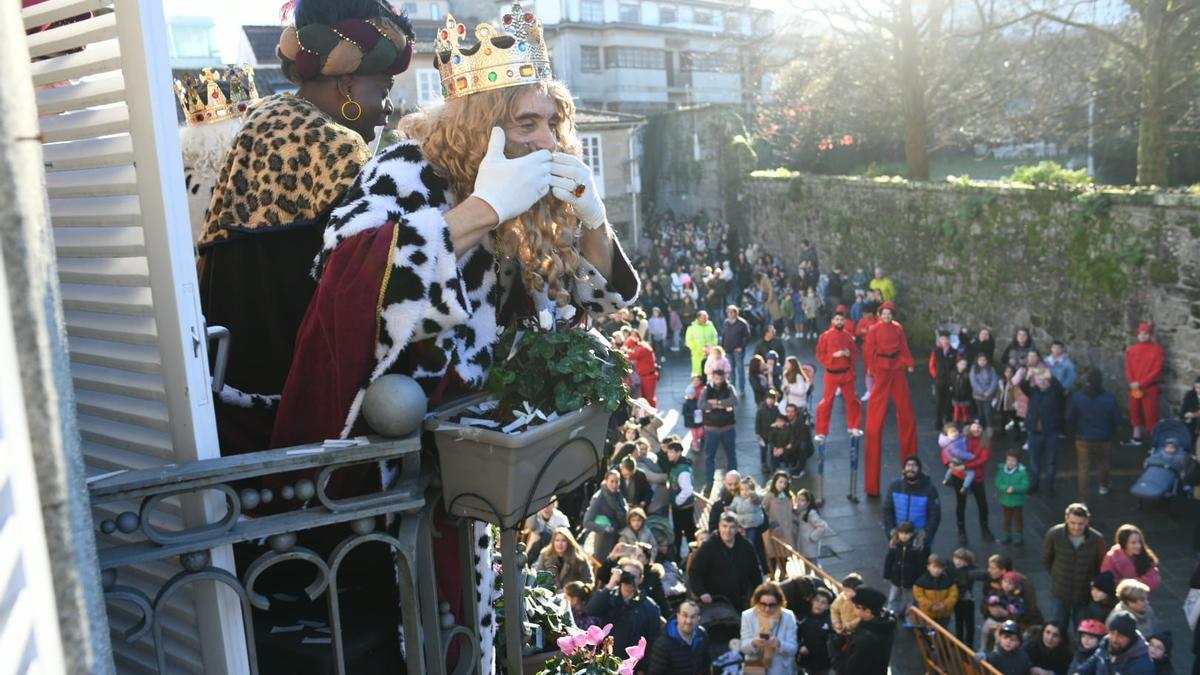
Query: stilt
point(854, 442)
point(820, 474)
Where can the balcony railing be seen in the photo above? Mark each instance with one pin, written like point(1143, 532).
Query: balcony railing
point(297, 505)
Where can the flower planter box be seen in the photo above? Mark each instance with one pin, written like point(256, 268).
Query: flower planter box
point(502, 478)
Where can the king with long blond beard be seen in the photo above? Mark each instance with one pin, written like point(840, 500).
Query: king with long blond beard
point(484, 216)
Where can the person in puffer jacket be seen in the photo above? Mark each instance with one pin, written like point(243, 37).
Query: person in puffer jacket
point(914, 498)
point(935, 591)
point(683, 648)
point(904, 562)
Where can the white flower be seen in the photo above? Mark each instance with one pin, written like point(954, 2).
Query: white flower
point(566, 312)
point(546, 320)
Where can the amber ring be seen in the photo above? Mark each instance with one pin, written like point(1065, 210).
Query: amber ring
point(580, 188)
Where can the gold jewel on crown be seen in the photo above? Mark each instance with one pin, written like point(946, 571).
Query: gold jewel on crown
point(507, 55)
point(201, 97)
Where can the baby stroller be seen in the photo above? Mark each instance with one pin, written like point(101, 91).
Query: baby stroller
point(1162, 477)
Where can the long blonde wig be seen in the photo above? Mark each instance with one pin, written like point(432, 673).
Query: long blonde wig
point(454, 139)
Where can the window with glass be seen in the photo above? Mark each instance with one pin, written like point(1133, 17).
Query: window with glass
point(631, 12)
point(702, 17)
point(589, 58)
point(666, 14)
point(435, 12)
point(594, 158)
point(429, 87)
point(634, 57)
point(591, 11)
point(700, 61)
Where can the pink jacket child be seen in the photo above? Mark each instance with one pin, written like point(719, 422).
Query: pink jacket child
point(1122, 566)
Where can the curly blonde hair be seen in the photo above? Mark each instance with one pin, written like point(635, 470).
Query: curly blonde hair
point(454, 139)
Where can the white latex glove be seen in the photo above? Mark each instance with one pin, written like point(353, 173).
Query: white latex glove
point(568, 172)
point(511, 186)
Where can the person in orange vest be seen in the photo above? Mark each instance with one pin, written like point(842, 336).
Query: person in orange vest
point(837, 353)
point(1143, 369)
point(886, 356)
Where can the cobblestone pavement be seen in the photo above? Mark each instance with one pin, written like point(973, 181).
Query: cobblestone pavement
point(859, 544)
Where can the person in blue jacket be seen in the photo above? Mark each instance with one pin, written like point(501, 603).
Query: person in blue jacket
point(683, 647)
point(913, 498)
point(1123, 652)
point(1093, 416)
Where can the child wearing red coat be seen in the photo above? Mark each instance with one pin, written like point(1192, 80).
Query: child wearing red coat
point(1143, 369)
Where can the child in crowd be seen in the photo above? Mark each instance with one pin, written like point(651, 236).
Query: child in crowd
point(984, 383)
point(715, 361)
point(578, 594)
point(965, 577)
point(856, 310)
point(1004, 604)
point(1160, 653)
point(961, 392)
point(1008, 657)
point(779, 442)
point(675, 322)
point(954, 446)
point(764, 419)
point(691, 413)
point(1012, 482)
point(845, 618)
point(811, 304)
point(813, 631)
point(859, 281)
point(636, 532)
point(1103, 597)
point(902, 565)
point(1007, 394)
point(658, 333)
point(748, 508)
point(935, 592)
point(1134, 597)
point(1091, 632)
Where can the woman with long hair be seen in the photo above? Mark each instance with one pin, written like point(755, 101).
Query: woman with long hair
point(1131, 558)
point(758, 377)
point(768, 633)
point(811, 528)
point(781, 518)
point(796, 382)
point(565, 559)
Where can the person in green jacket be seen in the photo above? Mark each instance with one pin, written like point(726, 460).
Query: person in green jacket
point(700, 337)
point(787, 312)
point(1012, 482)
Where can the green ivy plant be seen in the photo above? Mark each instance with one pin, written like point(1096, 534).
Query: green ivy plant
point(561, 371)
point(545, 610)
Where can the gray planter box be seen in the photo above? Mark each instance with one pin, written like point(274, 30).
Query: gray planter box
point(502, 478)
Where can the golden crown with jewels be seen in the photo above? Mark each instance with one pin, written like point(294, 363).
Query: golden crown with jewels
point(512, 53)
point(203, 100)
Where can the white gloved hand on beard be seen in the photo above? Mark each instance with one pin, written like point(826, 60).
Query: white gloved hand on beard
point(568, 172)
point(511, 186)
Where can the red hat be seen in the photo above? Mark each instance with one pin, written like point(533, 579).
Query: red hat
point(842, 308)
point(1146, 327)
point(888, 305)
point(1013, 578)
point(1091, 627)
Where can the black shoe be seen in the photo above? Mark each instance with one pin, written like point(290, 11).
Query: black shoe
point(987, 534)
point(962, 538)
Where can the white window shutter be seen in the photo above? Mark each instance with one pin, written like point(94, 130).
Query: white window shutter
point(139, 364)
point(29, 637)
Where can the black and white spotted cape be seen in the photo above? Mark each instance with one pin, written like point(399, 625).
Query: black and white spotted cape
point(444, 302)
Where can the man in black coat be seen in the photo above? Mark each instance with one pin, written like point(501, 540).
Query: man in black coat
point(726, 566)
point(632, 614)
point(868, 649)
point(683, 647)
point(735, 337)
point(771, 342)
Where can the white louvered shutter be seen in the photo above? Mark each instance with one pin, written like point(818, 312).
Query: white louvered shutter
point(118, 208)
point(29, 637)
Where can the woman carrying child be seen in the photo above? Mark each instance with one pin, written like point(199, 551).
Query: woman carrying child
point(979, 446)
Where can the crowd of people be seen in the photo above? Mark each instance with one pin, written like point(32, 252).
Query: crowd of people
point(661, 561)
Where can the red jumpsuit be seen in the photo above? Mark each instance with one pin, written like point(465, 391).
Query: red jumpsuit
point(641, 357)
point(1144, 365)
point(886, 356)
point(839, 374)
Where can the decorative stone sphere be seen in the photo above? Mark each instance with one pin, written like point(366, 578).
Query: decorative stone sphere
point(128, 521)
point(249, 498)
point(287, 492)
point(305, 489)
point(363, 525)
point(266, 495)
point(394, 405)
point(108, 579)
point(108, 526)
point(195, 561)
point(282, 542)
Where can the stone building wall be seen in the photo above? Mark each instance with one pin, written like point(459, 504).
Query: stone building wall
point(1081, 266)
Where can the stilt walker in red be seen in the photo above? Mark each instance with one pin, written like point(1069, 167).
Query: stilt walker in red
point(887, 358)
point(838, 354)
point(1143, 369)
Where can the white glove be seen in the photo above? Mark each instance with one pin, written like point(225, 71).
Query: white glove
point(567, 173)
point(511, 186)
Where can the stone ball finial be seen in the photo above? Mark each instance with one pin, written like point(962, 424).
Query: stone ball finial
point(394, 405)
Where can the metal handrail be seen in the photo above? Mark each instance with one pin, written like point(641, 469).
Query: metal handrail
point(942, 652)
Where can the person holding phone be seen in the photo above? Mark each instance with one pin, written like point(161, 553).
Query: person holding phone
point(769, 632)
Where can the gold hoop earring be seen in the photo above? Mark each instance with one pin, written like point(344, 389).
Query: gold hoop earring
point(357, 108)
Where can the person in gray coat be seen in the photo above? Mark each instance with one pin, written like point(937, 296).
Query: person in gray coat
point(606, 515)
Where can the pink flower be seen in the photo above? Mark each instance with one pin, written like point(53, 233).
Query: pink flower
point(569, 644)
point(637, 651)
point(627, 666)
point(595, 635)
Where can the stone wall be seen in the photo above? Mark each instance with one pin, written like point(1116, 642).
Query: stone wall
point(1083, 267)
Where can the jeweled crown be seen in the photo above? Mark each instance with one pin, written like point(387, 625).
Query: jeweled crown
point(203, 100)
point(507, 55)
